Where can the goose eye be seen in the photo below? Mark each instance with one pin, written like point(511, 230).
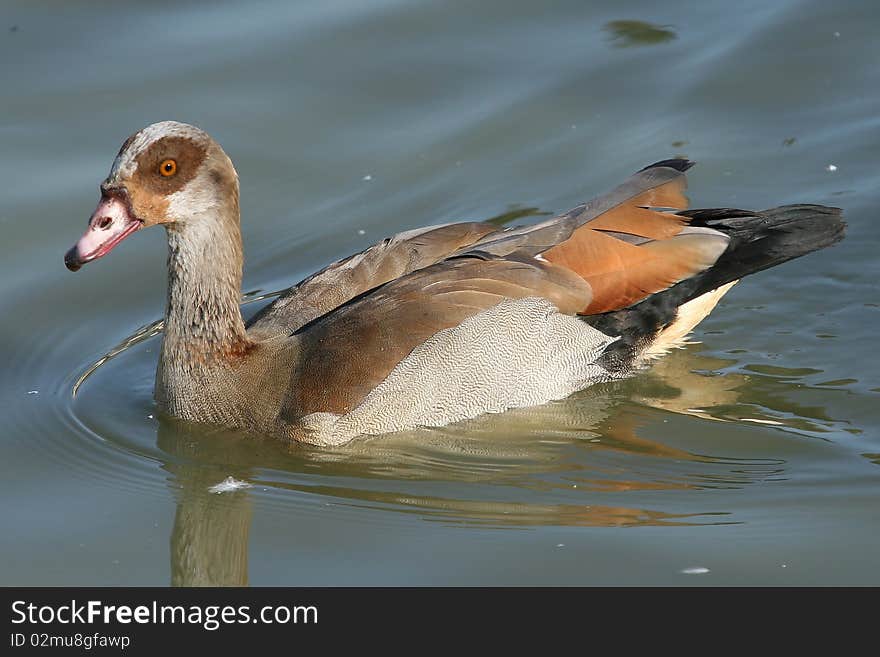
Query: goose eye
point(168, 168)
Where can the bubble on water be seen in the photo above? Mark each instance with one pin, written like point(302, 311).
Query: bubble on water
point(368, 178)
point(228, 485)
point(831, 167)
point(694, 570)
point(760, 421)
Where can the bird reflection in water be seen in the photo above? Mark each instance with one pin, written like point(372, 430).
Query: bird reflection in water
point(209, 541)
point(574, 446)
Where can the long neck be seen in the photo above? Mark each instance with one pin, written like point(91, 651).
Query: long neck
point(203, 323)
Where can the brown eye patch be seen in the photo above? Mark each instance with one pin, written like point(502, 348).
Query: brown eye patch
point(168, 164)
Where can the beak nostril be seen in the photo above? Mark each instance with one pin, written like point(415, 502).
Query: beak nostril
point(104, 223)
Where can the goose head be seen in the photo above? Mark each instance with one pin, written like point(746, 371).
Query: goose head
point(170, 174)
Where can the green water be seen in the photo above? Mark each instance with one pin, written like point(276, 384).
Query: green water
point(753, 455)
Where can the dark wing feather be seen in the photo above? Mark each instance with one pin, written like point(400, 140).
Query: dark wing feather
point(346, 279)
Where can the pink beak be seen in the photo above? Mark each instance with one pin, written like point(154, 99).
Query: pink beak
point(111, 222)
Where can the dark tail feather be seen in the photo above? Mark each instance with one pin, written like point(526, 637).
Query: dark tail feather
point(677, 163)
point(758, 240)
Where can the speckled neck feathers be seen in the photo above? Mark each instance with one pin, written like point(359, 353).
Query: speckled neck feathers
point(202, 320)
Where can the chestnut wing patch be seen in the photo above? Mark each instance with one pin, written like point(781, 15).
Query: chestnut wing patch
point(630, 250)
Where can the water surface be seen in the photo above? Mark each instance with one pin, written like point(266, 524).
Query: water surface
point(749, 458)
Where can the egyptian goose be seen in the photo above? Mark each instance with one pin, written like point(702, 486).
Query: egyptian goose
point(433, 325)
